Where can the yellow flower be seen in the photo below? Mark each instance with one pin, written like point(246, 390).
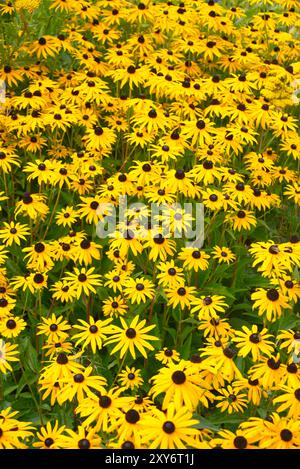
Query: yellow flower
point(130, 337)
point(170, 430)
point(180, 384)
point(8, 354)
point(231, 401)
point(92, 333)
point(130, 378)
point(250, 341)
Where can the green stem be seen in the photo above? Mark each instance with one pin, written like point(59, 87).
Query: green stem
point(53, 213)
point(120, 368)
point(6, 191)
point(33, 396)
point(1, 388)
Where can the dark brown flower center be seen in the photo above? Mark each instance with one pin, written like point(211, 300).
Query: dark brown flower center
point(168, 427)
point(84, 444)
point(178, 377)
point(132, 416)
point(272, 294)
point(11, 324)
point(286, 435)
point(104, 401)
point(240, 442)
point(48, 442)
point(62, 359)
point(255, 338)
point(131, 333)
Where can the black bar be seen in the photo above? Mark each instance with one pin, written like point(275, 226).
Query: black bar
point(148, 458)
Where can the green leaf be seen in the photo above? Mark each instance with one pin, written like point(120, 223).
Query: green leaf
point(27, 378)
point(29, 355)
point(172, 333)
point(205, 424)
point(186, 348)
point(10, 389)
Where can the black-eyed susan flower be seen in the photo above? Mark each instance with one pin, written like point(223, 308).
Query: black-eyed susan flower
point(206, 173)
point(231, 400)
point(12, 327)
point(269, 371)
point(290, 287)
point(48, 388)
point(291, 377)
point(289, 400)
point(92, 333)
point(253, 389)
point(132, 336)
point(8, 8)
point(82, 385)
point(6, 306)
point(8, 158)
point(128, 426)
point(125, 241)
point(131, 74)
point(208, 306)
point(289, 340)
point(66, 217)
point(219, 357)
point(50, 437)
point(10, 75)
point(241, 220)
point(37, 281)
point(160, 247)
point(215, 327)
point(62, 367)
point(170, 275)
point(89, 209)
point(63, 292)
point(200, 131)
point(180, 294)
point(270, 258)
point(223, 255)
point(292, 192)
point(130, 378)
point(169, 430)
point(114, 306)
point(194, 259)
point(138, 290)
point(270, 302)
point(55, 328)
point(45, 46)
point(39, 256)
point(102, 409)
point(32, 205)
point(141, 402)
point(84, 280)
point(116, 280)
point(279, 433)
point(14, 433)
point(40, 171)
point(13, 233)
point(86, 251)
point(226, 439)
point(251, 341)
point(83, 438)
point(54, 348)
point(180, 385)
point(8, 353)
point(167, 355)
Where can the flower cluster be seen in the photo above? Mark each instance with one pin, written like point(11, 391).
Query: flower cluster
point(141, 339)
